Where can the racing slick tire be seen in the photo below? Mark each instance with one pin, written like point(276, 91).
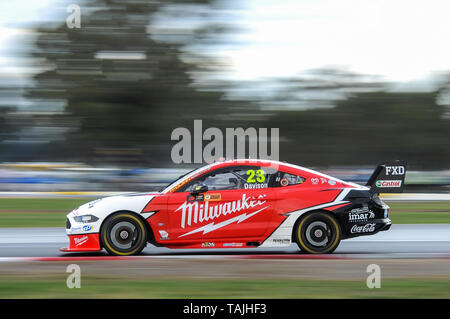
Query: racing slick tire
point(318, 233)
point(123, 234)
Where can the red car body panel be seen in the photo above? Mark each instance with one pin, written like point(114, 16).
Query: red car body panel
point(80, 243)
point(274, 203)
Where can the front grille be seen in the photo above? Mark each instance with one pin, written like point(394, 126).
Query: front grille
point(68, 225)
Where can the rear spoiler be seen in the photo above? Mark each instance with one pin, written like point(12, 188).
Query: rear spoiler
point(388, 177)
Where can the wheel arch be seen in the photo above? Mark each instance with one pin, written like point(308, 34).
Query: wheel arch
point(303, 216)
point(150, 234)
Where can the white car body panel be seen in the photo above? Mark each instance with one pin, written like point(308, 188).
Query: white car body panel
point(282, 236)
point(104, 207)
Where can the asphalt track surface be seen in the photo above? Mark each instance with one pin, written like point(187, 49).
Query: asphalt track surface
point(401, 241)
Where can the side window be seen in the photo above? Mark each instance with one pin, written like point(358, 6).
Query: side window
point(238, 177)
point(221, 181)
point(283, 179)
point(253, 177)
point(215, 181)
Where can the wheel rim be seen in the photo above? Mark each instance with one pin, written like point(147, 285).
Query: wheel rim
point(319, 234)
point(124, 236)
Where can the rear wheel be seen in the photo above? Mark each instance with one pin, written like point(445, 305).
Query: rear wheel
point(318, 233)
point(124, 234)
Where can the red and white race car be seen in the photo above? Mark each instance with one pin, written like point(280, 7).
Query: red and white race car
point(238, 204)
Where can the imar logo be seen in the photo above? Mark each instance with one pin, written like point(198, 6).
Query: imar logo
point(395, 170)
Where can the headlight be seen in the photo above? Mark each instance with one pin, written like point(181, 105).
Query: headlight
point(85, 219)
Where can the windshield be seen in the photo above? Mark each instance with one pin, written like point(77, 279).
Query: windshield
point(176, 180)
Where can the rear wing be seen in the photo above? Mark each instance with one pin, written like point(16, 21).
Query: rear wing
point(388, 177)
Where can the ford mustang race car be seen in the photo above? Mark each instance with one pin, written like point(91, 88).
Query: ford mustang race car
point(238, 204)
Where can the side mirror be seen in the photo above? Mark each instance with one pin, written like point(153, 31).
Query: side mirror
point(199, 188)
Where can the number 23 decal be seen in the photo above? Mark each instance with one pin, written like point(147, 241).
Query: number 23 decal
point(260, 177)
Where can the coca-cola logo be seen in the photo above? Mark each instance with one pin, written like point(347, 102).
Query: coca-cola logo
point(367, 228)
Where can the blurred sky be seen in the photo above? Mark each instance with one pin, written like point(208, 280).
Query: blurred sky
point(15, 16)
point(401, 40)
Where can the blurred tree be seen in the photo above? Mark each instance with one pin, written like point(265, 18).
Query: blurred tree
point(368, 128)
point(122, 89)
point(125, 87)
point(3, 124)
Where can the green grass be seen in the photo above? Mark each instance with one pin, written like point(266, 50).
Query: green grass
point(37, 212)
point(420, 212)
point(66, 204)
point(48, 212)
point(106, 287)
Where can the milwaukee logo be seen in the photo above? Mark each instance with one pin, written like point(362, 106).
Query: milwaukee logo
point(81, 240)
point(198, 212)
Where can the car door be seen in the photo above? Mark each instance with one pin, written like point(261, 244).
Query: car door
point(237, 204)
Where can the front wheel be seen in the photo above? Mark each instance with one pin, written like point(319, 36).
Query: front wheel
point(124, 234)
point(318, 233)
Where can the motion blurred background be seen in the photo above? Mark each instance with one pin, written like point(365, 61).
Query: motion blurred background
point(348, 83)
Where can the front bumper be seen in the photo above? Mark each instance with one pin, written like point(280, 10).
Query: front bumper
point(83, 242)
point(83, 237)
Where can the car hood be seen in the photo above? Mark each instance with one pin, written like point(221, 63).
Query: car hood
point(102, 207)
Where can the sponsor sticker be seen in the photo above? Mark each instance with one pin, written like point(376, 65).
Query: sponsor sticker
point(281, 241)
point(360, 215)
point(213, 197)
point(255, 186)
point(87, 228)
point(81, 229)
point(208, 244)
point(91, 204)
point(284, 182)
point(388, 183)
point(193, 213)
point(80, 241)
point(163, 234)
point(395, 170)
point(315, 181)
point(233, 245)
point(196, 198)
point(367, 228)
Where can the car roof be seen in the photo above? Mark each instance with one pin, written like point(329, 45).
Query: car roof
point(289, 168)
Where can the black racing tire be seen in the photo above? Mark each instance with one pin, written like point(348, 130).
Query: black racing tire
point(123, 234)
point(318, 233)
